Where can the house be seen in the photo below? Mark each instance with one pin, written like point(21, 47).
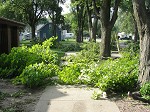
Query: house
point(46, 32)
point(9, 34)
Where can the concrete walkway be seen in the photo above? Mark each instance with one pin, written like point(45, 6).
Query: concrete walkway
point(72, 99)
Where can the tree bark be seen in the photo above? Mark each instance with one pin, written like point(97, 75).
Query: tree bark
point(136, 35)
point(105, 43)
point(143, 24)
point(80, 14)
point(33, 32)
point(79, 35)
point(94, 29)
point(92, 25)
point(107, 23)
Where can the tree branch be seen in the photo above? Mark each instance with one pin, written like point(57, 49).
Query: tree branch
point(96, 9)
point(115, 11)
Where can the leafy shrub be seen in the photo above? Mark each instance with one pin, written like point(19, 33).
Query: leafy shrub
point(145, 90)
point(49, 43)
point(13, 64)
point(91, 51)
point(36, 74)
point(118, 75)
point(46, 54)
point(70, 73)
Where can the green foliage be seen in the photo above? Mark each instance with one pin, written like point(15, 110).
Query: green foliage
point(125, 22)
point(90, 52)
point(70, 73)
point(118, 75)
point(13, 64)
point(96, 95)
point(133, 48)
point(145, 90)
point(36, 74)
point(71, 47)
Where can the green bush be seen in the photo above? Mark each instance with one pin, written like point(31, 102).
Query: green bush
point(118, 75)
point(46, 54)
point(13, 64)
point(70, 73)
point(36, 74)
point(145, 90)
point(90, 53)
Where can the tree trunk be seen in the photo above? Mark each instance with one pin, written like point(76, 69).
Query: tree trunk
point(105, 29)
point(136, 35)
point(33, 32)
point(54, 24)
point(92, 26)
point(105, 43)
point(94, 29)
point(54, 29)
point(107, 20)
point(79, 35)
point(143, 24)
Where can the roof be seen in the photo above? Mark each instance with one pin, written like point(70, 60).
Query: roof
point(39, 26)
point(11, 22)
point(43, 26)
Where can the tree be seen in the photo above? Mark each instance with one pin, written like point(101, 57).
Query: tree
point(8, 11)
point(142, 16)
point(79, 11)
point(106, 10)
point(54, 11)
point(91, 25)
point(127, 8)
point(124, 22)
point(32, 11)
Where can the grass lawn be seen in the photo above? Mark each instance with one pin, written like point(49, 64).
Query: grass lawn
point(26, 43)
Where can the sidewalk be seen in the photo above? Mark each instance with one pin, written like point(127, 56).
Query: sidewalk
point(72, 99)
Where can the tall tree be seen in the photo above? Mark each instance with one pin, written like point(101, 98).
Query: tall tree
point(92, 25)
point(32, 11)
point(8, 11)
point(54, 11)
point(106, 10)
point(126, 7)
point(142, 16)
point(79, 10)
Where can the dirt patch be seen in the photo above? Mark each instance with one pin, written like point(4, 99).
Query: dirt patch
point(17, 98)
point(128, 104)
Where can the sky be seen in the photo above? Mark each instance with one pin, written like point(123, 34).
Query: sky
point(66, 7)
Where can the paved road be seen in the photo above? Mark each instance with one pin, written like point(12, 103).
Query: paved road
point(72, 99)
